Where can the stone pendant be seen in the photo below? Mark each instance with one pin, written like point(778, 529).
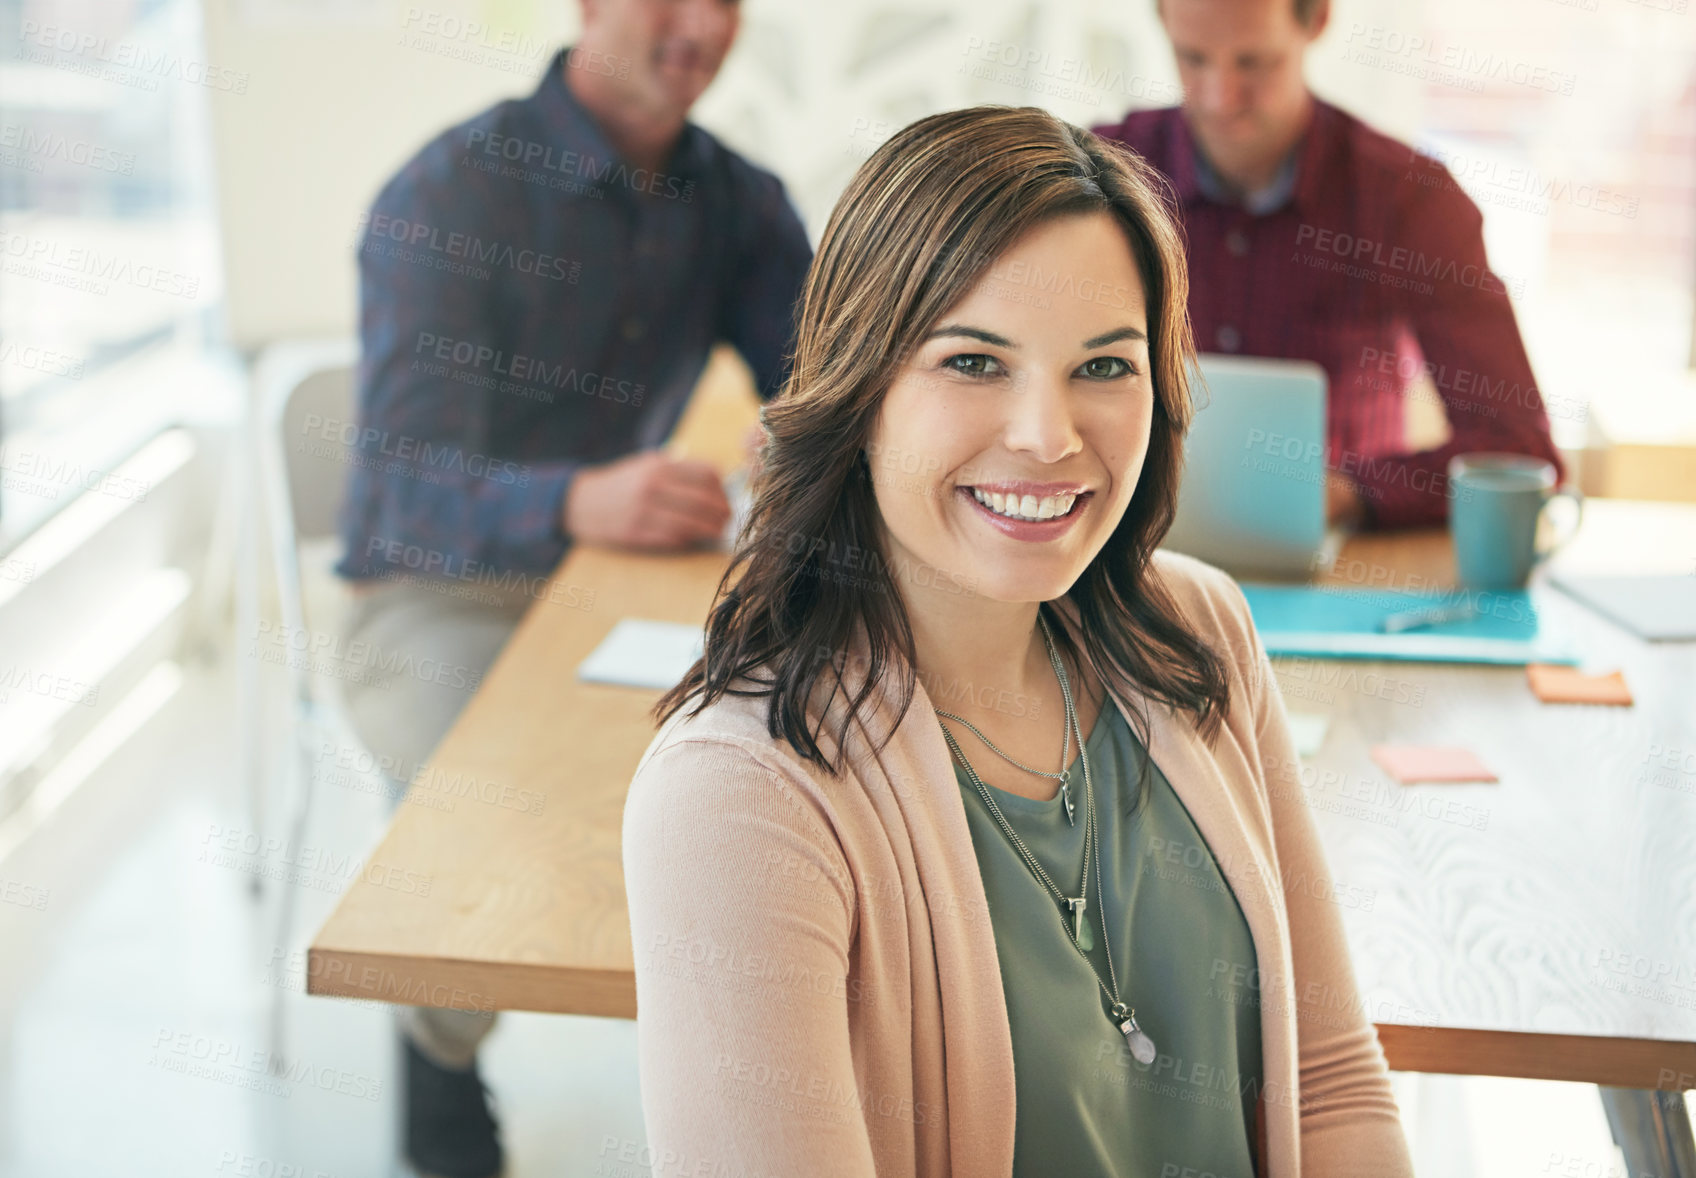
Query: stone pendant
point(1082, 932)
point(1142, 1047)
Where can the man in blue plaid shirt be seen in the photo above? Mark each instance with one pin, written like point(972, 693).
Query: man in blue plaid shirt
point(540, 287)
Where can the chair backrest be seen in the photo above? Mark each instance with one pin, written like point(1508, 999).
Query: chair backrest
point(309, 419)
point(317, 422)
point(302, 429)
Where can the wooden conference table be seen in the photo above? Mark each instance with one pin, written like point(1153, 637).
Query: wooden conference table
point(1541, 927)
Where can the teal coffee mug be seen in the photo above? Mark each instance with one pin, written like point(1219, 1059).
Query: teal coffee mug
point(1496, 502)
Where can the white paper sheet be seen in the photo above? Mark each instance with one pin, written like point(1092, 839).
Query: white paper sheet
point(638, 652)
point(1307, 729)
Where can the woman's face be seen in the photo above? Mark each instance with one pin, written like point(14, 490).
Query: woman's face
point(1031, 397)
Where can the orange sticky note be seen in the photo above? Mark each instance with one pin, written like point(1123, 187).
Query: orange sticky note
point(1555, 684)
point(1409, 763)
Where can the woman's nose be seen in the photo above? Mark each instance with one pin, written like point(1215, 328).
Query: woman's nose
point(1040, 421)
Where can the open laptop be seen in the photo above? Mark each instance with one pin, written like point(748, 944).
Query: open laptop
point(1253, 495)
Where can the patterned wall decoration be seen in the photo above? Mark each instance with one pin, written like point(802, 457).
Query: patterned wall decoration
point(810, 91)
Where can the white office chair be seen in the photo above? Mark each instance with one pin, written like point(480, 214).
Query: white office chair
point(302, 477)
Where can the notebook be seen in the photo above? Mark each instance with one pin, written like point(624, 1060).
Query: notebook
point(1343, 623)
point(1658, 608)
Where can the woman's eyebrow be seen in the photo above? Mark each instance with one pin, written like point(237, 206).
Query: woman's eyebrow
point(1114, 336)
point(958, 329)
point(1001, 341)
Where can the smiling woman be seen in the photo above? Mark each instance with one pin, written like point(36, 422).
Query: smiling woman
point(941, 233)
point(849, 941)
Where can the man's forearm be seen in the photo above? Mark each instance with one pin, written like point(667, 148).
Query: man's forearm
point(1400, 490)
point(457, 526)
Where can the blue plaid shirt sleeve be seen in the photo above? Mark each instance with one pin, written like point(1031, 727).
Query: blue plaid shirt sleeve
point(432, 482)
point(766, 286)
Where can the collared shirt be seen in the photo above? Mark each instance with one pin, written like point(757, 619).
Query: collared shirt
point(529, 304)
point(1373, 267)
point(1265, 200)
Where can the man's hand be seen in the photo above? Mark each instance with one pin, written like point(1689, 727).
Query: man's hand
point(648, 500)
point(753, 446)
point(1343, 504)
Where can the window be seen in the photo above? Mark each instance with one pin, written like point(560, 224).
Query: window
point(1572, 124)
point(108, 249)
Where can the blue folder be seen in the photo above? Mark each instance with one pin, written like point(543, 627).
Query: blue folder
point(1343, 623)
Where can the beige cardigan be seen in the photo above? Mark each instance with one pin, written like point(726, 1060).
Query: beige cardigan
point(816, 973)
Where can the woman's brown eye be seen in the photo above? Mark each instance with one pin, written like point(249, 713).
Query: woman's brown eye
point(975, 364)
point(1105, 368)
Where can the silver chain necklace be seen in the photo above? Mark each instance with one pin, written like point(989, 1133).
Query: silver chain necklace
point(1064, 777)
point(1077, 932)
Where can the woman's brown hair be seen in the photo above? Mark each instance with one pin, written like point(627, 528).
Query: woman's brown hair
point(926, 215)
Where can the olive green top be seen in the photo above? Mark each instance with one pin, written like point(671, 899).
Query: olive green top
point(1185, 963)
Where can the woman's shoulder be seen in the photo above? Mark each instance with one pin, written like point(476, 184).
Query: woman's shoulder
point(718, 808)
point(730, 733)
point(1214, 607)
point(1203, 591)
point(722, 759)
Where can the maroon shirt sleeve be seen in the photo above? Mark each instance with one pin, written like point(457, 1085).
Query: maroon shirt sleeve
point(1467, 333)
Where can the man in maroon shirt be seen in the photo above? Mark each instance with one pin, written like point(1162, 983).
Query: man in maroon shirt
point(1314, 237)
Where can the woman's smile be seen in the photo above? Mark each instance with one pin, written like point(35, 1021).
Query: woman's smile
point(1028, 512)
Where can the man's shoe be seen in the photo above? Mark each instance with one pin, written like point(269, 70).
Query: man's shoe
point(449, 1130)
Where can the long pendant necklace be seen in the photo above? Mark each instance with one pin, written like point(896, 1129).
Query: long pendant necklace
point(1064, 777)
point(1077, 930)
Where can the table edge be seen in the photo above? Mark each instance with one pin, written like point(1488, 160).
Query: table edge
point(459, 983)
point(1667, 1064)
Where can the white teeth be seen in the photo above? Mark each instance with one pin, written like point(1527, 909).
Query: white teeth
point(1026, 507)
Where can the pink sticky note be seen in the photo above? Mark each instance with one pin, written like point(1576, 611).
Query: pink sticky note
point(1409, 763)
point(1567, 685)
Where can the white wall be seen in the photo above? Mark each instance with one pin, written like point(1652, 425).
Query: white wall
point(334, 104)
point(341, 92)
